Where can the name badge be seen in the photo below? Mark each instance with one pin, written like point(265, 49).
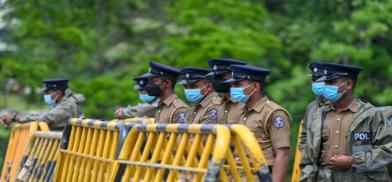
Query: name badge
point(362, 136)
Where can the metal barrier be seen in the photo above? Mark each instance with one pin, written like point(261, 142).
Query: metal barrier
point(138, 120)
point(296, 175)
point(154, 150)
point(171, 152)
point(17, 144)
point(39, 162)
point(245, 160)
point(88, 149)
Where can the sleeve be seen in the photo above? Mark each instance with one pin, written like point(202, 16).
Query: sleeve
point(180, 115)
point(60, 113)
point(140, 110)
point(24, 118)
point(381, 153)
point(279, 129)
point(308, 169)
point(211, 115)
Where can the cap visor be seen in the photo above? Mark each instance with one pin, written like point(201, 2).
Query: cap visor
point(184, 82)
point(137, 87)
point(321, 79)
point(232, 80)
point(148, 75)
point(210, 74)
point(326, 78)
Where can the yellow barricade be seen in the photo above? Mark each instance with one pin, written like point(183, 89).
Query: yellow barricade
point(88, 150)
point(40, 160)
point(139, 120)
point(296, 175)
point(172, 152)
point(17, 144)
point(245, 160)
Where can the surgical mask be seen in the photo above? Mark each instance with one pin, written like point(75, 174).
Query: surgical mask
point(153, 89)
point(146, 98)
point(331, 92)
point(238, 94)
point(318, 88)
point(48, 99)
point(194, 95)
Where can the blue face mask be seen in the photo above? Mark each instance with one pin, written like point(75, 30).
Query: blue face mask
point(48, 99)
point(331, 92)
point(146, 98)
point(193, 95)
point(318, 88)
point(238, 94)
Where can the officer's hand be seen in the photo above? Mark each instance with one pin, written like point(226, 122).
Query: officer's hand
point(340, 162)
point(6, 119)
point(119, 112)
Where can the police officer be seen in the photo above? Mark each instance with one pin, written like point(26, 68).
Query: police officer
point(162, 81)
point(200, 91)
point(146, 109)
point(66, 105)
point(351, 139)
point(269, 122)
point(220, 73)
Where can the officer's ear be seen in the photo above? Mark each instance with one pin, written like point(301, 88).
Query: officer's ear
point(350, 84)
point(209, 85)
point(166, 83)
point(257, 86)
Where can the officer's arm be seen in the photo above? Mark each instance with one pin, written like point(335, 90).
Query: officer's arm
point(279, 130)
point(180, 115)
point(141, 110)
point(381, 152)
point(62, 112)
point(279, 170)
point(24, 118)
point(211, 115)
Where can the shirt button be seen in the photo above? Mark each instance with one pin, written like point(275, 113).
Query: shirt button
point(226, 111)
point(338, 119)
point(245, 119)
point(159, 110)
point(337, 132)
point(336, 146)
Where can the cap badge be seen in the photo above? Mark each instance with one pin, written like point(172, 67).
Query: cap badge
point(315, 69)
point(325, 71)
point(187, 75)
point(215, 67)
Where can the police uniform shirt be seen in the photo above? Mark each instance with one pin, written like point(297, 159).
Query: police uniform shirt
point(207, 111)
point(334, 133)
point(232, 112)
point(171, 110)
point(57, 117)
point(270, 124)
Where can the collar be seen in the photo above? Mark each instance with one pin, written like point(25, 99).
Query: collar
point(170, 99)
point(260, 104)
point(353, 106)
point(206, 100)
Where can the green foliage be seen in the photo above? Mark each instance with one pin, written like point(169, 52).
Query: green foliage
point(101, 45)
